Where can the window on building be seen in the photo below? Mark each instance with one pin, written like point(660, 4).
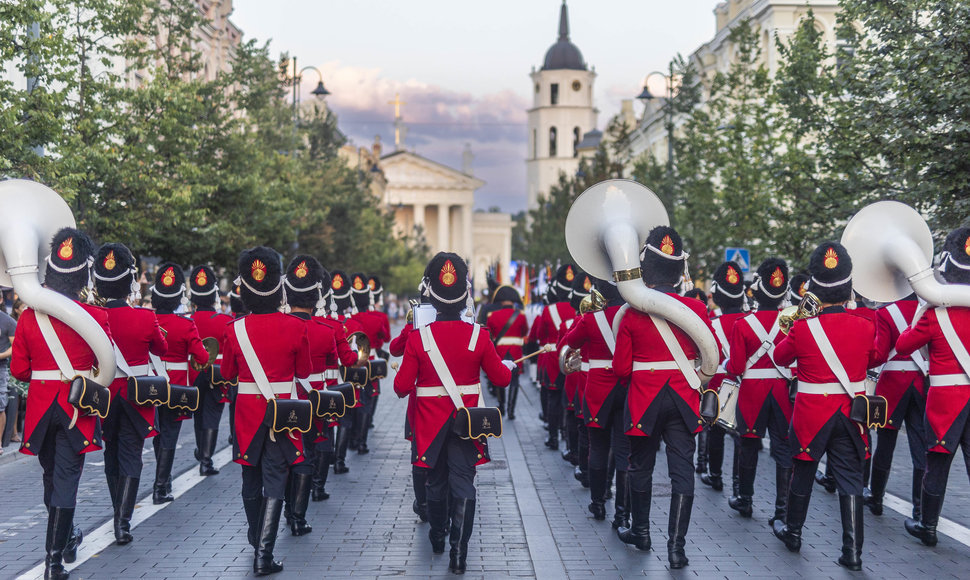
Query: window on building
point(577, 135)
point(535, 143)
point(554, 94)
point(552, 142)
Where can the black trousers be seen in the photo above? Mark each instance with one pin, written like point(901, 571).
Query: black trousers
point(62, 465)
point(168, 428)
point(305, 467)
point(209, 413)
point(454, 470)
point(610, 436)
point(778, 428)
point(554, 412)
point(841, 456)
point(268, 478)
point(886, 441)
point(938, 464)
point(123, 443)
point(680, 446)
point(715, 449)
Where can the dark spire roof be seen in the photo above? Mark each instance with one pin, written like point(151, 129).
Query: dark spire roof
point(564, 54)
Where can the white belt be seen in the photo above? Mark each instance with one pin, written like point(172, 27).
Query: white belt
point(900, 365)
point(763, 374)
point(442, 392)
point(136, 371)
point(659, 365)
point(958, 379)
point(830, 388)
point(584, 367)
point(279, 388)
point(316, 378)
point(218, 360)
point(57, 376)
point(331, 374)
point(176, 366)
point(511, 341)
point(600, 364)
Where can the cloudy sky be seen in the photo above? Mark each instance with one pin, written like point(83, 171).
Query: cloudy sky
point(462, 66)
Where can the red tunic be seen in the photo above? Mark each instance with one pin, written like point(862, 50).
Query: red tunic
point(184, 342)
point(30, 353)
point(853, 339)
point(510, 345)
point(900, 378)
point(601, 382)
point(282, 346)
point(377, 328)
point(723, 326)
point(756, 391)
point(136, 332)
point(344, 356)
point(573, 383)
point(433, 411)
point(397, 345)
point(638, 341)
point(547, 333)
point(946, 398)
point(212, 324)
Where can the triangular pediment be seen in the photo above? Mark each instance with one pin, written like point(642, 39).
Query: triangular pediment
point(407, 170)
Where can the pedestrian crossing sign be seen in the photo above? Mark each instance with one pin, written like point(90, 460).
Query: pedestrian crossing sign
point(740, 256)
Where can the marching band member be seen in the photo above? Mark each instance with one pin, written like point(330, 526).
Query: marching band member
point(663, 401)
point(602, 406)
point(727, 292)
point(265, 351)
point(204, 295)
point(833, 352)
point(581, 286)
point(378, 330)
point(448, 345)
point(508, 327)
point(763, 398)
point(945, 331)
point(238, 309)
point(377, 308)
point(183, 340)
point(50, 433)
point(344, 305)
point(136, 333)
point(547, 335)
point(902, 382)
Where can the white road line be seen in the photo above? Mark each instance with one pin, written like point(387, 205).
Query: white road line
point(945, 526)
point(102, 537)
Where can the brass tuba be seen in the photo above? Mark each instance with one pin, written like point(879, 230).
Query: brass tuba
point(808, 307)
point(33, 213)
point(359, 342)
point(594, 302)
point(570, 360)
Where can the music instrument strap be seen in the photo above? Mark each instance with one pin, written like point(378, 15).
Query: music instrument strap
point(605, 330)
point(897, 315)
point(952, 339)
point(828, 353)
point(441, 368)
point(252, 361)
point(677, 351)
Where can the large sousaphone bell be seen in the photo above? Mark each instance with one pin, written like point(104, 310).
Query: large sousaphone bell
point(605, 229)
point(33, 213)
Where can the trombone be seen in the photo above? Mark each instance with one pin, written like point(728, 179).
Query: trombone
point(808, 307)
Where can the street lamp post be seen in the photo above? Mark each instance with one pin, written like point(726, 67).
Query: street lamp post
point(646, 95)
point(294, 81)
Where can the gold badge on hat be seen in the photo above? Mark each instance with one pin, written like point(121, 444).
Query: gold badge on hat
point(66, 251)
point(587, 284)
point(777, 278)
point(358, 283)
point(831, 259)
point(258, 270)
point(168, 277)
point(667, 246)
point(301, 270)
point(570, 276)
point(966, 247)
point(201, 279)
point(732, 275)
point(338, 282)
point(447, 275)
point(372, 284)
point(109, 261)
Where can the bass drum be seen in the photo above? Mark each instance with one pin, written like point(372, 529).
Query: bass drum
point(727, 419)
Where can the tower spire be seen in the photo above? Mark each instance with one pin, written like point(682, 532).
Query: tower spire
point(564, 22)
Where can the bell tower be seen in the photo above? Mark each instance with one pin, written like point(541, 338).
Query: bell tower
point(562, 112)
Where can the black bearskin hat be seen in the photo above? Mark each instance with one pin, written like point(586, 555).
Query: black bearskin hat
point(203, 290)
point(797, 286)
point(169, 287)
point(114, 271)
point(562, 285)
point(506, 294)
point(235, 302)
point(260, 280)
point(727, 288)
point(771, 283)
point(360, 291)
point(697, 294)
point(662, 258)
point(582, 284)
point(609, 291)
point(376, 289)
point(69, 262)
point(304, 282)
point(340, 285)
point(955, 260)
point(830, 268)
point(447, 282)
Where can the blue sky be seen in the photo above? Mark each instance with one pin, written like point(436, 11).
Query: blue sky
point(462, 66)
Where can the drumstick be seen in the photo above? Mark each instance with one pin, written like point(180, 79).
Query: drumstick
point(547, 348)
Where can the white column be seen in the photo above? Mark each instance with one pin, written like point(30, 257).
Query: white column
point(419, 215)
point(466, 232)
point(444, 218)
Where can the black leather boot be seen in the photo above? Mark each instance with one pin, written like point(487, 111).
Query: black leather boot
point(621, 504)
point(877, 489)
point(462, 523)
point(269, 526)
point(925, 527)
point(252, 507)
point(638, 535)
point(917, 491)
point(743, 502)
point(500, 399)
point(702, 439)
point(163, 470)
point(852, 532)
point(438, 518)
point(597, 494)
point(321, 469)
point(782, 481)
point(127, 495)
point(419, 479)
point(789, 531)
point(512, 397)
point(60, 522)
point(610, 472)
point(113, 481)
point(714, 480)
point(288, 501)
point(300, 483)
point(363, 430)
point(825, 480)
point(680, 509)
point(340, 446)
point(208, 447)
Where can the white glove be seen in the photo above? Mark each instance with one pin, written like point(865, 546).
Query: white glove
point(510, 365)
